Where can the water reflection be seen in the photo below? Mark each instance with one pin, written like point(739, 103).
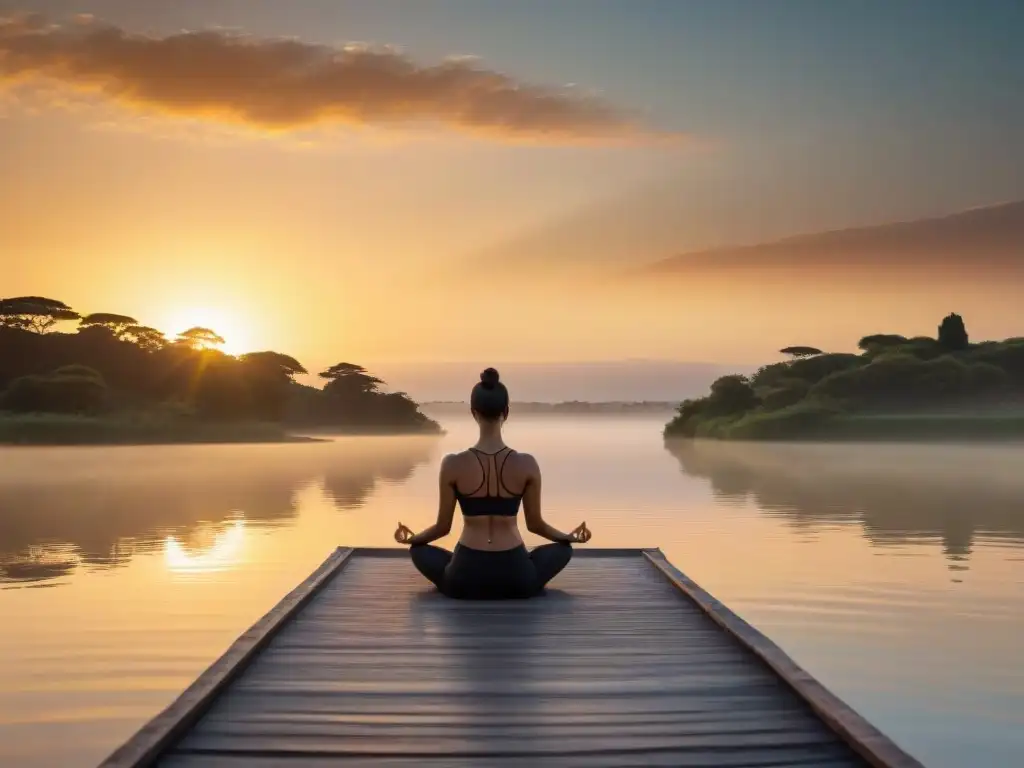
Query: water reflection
point(896, 494)
point(222, 552)
point(98, 507)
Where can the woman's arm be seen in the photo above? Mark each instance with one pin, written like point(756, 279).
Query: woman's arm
point(445, 506)
point(535, 522)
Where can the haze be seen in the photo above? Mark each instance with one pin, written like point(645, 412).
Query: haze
point(337, 181)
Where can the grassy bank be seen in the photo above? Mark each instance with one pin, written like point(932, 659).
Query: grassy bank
point(807, 422)
point(134, 429)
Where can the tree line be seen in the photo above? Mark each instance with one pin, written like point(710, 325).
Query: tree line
point(891, 374)
point(112, 363)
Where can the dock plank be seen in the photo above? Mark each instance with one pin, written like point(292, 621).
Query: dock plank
point(624, 662)
point(785, 758)
point(611, 665)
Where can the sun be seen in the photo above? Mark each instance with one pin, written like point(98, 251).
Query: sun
point(220, 321)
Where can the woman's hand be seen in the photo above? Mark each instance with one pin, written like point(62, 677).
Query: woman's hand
point(580, 534)
point(403, 534)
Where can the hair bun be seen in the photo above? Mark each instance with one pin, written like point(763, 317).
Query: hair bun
point(489, 378)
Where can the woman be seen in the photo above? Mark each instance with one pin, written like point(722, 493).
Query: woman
point(489, 481)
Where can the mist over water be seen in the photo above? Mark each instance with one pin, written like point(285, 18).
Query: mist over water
point(893, 573)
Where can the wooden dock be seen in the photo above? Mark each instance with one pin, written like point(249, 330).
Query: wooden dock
point(624, 662)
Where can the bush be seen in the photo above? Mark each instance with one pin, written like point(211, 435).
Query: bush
point(83, 371)
point(787, 392)
point(1007, 356)
point(877, 342)
point(56, 394)
point(684, 424)
point(986, 378)
point(716, 427)
point(814, 369)
point(900, 379)
point(799, 421)
point(731, 395)
point(809, 369)
point(770, 375)
point(923, 348)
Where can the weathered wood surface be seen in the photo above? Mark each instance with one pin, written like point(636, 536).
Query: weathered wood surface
point(146, 746)
point(875, 747)
point(614, 666)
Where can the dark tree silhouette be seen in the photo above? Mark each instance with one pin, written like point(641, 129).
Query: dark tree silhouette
point(113, 365)
point(270, 381)
point(347, 377)
point(118, 325)
point(881, 340)
point(352, 399)
point(800, 351)
point(199, 338)
point(34, 313)
point(274, 361)
point(146, 338)
point(953, 333)
point(71, 389)
point(732, 394)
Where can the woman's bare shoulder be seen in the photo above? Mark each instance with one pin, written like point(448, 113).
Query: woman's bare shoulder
point(451, 461)
point(458, 460)
point(526, 460)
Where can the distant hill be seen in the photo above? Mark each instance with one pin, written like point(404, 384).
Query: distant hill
point(989, 239)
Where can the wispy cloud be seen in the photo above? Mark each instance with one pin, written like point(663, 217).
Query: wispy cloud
point(285, 84)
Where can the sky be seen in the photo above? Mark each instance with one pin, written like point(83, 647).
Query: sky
point(422, 182)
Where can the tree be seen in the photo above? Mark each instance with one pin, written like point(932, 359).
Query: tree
point(800, 351)
point(274, 361)
point(146, 338)
point(199, 338)
point(876, 340)
point(953, 333)
point(270, 381)
point(347, 377)
point(732, 394)
point(34, 313)
point(119, 325)
point(687, 418)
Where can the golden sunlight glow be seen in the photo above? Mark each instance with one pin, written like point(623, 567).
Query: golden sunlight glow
point(221, 321)
point(225, 552)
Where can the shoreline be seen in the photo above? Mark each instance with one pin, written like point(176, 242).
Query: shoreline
point(64, 431)
point(921, 428)
point(140, 443)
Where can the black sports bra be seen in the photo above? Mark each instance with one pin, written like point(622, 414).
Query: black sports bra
point(490, 504)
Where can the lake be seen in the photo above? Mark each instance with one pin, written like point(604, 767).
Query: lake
point(893, 573)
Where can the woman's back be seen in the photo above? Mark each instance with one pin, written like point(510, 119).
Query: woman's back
point(489, 487)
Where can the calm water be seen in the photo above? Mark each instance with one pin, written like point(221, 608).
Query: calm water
point(893, 573)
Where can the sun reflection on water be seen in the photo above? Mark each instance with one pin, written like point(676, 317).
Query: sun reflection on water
point(224, 552)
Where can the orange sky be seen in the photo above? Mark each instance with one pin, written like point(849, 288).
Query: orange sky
point(378, 203)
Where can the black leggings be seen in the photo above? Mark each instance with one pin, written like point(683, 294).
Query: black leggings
point(486, 575)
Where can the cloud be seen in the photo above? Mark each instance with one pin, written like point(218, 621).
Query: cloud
point(285, 84)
